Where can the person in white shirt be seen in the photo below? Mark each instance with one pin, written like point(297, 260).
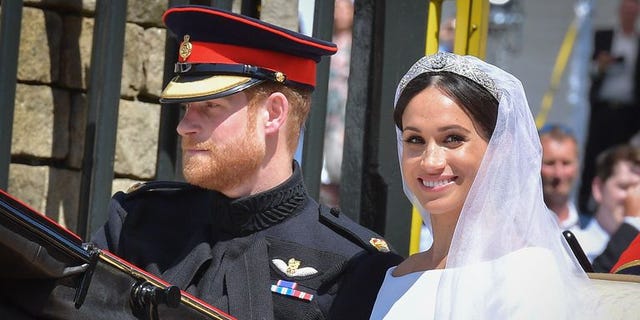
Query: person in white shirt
point(560, 164)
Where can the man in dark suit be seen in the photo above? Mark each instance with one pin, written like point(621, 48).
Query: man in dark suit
point(243, 234)
point(614, 94)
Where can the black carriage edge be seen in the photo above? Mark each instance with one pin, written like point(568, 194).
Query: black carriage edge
point(48, 272)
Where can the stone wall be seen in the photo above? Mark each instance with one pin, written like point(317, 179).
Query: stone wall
point(51, 98)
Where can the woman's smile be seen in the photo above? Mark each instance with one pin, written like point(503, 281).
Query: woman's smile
point(437, 185)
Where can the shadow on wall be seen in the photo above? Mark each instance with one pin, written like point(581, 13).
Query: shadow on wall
point(69, 112)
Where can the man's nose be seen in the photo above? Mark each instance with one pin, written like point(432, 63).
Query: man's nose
point(187, 124)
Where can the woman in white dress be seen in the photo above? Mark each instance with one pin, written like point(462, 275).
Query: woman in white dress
point(470, 158)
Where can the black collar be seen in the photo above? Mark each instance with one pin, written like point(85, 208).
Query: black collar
point(247, 215)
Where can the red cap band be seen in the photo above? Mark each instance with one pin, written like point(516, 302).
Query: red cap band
point(295, 68)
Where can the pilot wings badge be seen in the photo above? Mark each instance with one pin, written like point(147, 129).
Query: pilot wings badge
point(292, 268)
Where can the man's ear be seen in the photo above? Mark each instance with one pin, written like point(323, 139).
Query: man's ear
point(596, 189)
point(276, 111)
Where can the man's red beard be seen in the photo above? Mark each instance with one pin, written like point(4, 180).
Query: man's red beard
point(224, 166)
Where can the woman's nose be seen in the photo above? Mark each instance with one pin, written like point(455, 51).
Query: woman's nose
point(433, 158)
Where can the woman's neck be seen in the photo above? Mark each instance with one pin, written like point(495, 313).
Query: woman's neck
point(436, 257)
point(442, 227)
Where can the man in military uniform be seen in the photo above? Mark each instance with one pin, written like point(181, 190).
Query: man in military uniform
point(243, 234)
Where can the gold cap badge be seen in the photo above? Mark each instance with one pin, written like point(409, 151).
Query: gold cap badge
point(379, 244)
point(185, 48)
point(280, 77)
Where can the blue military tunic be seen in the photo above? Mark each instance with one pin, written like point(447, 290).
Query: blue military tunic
point(273, 255)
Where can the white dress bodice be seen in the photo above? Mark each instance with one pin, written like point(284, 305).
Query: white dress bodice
point(398, 296)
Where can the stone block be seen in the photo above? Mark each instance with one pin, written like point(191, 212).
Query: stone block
point(146, 12)
point(29, 184)
point(283, 13)
point(86, 6)
point(137, 139)
point(134, 49)
point(154, 39)
point(48, 190)
point(41, 113)
point(76, 56)
point(40, 40)
point(76, 51)
point(63, 197)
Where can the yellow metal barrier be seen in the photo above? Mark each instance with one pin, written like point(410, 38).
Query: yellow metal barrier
point(433, 26)
point(556, 75)
point(472, 26)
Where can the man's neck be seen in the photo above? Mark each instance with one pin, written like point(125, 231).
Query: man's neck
point(268, 176)
point(607, 221)
point(628, 29)
point(561, 209)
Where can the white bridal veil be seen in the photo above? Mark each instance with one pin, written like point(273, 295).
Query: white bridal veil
point(507, 259)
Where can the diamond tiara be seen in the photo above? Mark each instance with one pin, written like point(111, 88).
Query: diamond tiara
point(444, 61)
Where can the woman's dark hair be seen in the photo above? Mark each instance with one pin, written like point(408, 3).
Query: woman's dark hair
point(475, 100)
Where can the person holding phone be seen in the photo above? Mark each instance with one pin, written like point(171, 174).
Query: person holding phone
point(614, 95)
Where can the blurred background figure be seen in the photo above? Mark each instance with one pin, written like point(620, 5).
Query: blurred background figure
point(505, 38)
point(628, 262)
point(336, 103)
point(614, 94)
point(614, 224)
point(560, 163)
point(447, 34)
point(635, 140)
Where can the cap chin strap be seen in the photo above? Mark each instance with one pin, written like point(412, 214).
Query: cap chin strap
point(245, 70)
